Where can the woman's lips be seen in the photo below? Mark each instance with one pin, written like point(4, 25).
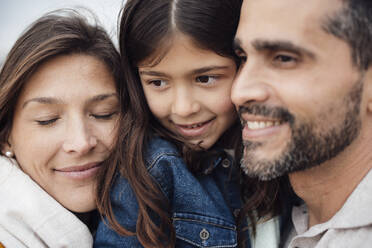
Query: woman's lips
point(194, 130)
point(79, 172)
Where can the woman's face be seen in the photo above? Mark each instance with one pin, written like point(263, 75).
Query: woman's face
point(189, 91)
point(64, 126)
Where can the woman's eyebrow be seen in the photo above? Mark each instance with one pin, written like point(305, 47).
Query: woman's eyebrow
point(102, 97)
point(43, 100)
point(52, 100)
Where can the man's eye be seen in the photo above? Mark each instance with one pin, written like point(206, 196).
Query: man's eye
point(242, 59)
point(206, 79)
point(285, 61)
point(284, 58)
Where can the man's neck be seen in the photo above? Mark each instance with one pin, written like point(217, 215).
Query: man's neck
point(325, 188)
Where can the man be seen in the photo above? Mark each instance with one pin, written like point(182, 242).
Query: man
point(304, 94)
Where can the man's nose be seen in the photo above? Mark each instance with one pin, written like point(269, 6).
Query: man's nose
point(249, 85)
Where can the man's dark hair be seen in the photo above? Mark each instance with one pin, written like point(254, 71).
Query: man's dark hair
point(353, 24)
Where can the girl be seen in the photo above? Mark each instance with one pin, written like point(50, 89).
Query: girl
point(175, 181)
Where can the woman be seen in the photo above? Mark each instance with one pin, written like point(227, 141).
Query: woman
point(59, 106)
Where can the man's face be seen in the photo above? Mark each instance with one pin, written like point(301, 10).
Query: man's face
point(297, 90)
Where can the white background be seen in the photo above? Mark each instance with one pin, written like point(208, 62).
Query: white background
point(16, 15)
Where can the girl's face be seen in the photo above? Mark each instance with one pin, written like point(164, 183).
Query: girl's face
point(64, 126)
point(189, 91)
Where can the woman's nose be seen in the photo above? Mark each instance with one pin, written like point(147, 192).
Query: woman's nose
point(80, 138)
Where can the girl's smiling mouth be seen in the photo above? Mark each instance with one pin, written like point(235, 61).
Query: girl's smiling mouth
point(195, 129)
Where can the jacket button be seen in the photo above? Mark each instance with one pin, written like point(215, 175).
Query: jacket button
point(204, 234)
point(236, 212)
point(225, 163)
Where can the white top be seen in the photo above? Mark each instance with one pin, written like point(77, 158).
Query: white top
point(30, 217)
point(267, 234)
point(351, 226)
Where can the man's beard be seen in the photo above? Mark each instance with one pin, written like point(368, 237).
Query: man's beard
point(308, 147)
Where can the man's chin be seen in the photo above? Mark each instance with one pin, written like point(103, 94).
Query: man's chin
point(263, 173)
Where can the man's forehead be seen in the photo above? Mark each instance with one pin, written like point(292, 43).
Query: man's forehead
point(287, 6)
point(284, 19)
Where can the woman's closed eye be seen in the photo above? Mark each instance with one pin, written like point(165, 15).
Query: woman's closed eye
point(47, 122)
point(105, 116)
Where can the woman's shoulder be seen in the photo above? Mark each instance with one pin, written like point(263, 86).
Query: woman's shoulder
point(7, 168)
point(30, 214)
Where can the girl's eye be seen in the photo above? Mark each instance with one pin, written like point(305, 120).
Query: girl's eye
point(46, 122)
point(158, 83)
point(104, 116)
point(206, 79)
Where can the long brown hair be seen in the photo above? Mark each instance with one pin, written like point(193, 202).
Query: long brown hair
point(145, 27)
point(57, 33)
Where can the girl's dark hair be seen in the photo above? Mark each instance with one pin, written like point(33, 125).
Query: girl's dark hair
point(60, 32)
point(146, 31)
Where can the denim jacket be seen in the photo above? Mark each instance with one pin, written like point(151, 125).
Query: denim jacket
point(203, 206)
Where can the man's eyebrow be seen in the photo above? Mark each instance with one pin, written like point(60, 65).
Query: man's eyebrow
point(278, 45)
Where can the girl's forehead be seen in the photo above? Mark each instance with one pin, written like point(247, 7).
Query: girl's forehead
point(168, 43)
point(159, 50)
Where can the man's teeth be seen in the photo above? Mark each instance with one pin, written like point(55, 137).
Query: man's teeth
point(262, 124)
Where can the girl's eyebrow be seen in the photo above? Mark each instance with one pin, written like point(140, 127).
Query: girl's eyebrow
point(53, 100)
point(209, 68)
point(153, 73)
point(196, 71)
